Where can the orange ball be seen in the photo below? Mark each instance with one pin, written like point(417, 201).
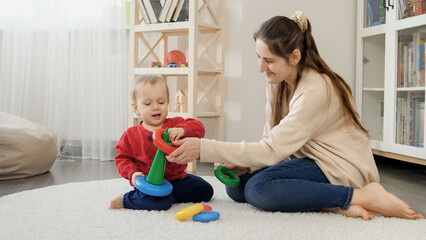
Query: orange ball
point(175, 56)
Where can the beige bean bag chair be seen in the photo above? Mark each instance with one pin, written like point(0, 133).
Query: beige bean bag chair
point(26, 148)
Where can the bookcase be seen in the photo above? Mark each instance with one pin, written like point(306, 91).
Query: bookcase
point(200, 38)
point(390, 81)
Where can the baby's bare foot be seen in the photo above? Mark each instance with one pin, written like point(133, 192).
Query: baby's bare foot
point(354, 211)
point(375, 198)
point(116, 203)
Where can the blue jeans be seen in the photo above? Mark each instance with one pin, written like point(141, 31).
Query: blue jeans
point(296, 185)
point(190, 189)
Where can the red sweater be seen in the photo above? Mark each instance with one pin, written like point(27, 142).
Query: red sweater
point(135, 152)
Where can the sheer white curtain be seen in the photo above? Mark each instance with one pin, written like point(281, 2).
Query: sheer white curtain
point(63, 64)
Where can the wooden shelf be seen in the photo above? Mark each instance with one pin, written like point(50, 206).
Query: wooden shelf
point(162, 71)
point(176, 28)
point(175, 71)
point(204, 54)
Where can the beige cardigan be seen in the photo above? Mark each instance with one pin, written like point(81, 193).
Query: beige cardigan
point(313, 128)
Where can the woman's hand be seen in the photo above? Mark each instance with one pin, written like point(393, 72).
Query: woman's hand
point(237, 169)
point(136, 175)
point(176, 133)
point(188, 150)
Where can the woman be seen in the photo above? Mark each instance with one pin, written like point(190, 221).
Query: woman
point(315, 153)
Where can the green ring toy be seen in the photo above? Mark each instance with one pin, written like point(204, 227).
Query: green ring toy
point(227, 176)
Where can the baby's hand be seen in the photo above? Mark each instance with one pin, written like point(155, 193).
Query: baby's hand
point(136, 175)
point(176, 133)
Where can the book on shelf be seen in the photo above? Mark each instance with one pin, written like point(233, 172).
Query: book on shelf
point(177, 10)
point(171, 10)
point(411, 8)
point(410, 119)
point(411, 59)
point(419, 39)
point(143, 11)
point(418, 57)
point(398, 120)
point(160, 11)
point(182, 11)
point(164, 10)
point(407, 8)
point(419, 122)
point(375, 13)
point(403, 42)
point(419, 7)
point(153, 9)
point(421, 73)
point(405, 65)
point(400, 8)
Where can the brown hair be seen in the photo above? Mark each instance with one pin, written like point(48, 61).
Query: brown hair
point(143, 79)
point(283, 35)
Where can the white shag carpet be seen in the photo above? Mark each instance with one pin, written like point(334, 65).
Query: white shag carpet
point(79, 211)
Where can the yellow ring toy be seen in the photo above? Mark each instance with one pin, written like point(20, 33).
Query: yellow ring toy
point(189, 211)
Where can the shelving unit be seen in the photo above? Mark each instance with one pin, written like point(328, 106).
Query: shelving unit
point(380, 63)
point(201, 39)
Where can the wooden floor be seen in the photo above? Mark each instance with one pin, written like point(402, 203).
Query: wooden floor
point(407, 181)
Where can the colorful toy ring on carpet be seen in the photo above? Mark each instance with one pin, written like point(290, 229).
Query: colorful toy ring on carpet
point(207, 207)
point(206, 216)
point(189, 211)
point(227, 176)
point(160, 143)
point(152, 189)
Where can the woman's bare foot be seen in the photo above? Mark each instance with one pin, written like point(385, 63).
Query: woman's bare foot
point(116, 203)
point(375, 198)
point(354, 211)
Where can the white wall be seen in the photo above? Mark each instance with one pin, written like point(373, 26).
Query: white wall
point(334, 29)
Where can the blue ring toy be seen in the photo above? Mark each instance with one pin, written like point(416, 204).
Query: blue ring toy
point(206, 216)
point(144, 186)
